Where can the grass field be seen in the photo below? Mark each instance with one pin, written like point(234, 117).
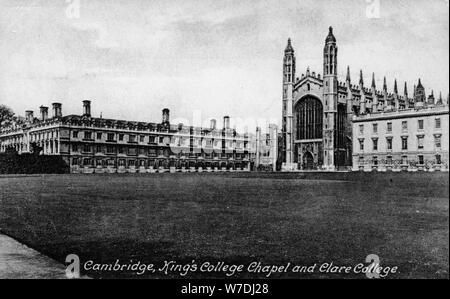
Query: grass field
point(235, 217)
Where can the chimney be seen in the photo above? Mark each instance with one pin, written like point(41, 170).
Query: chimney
point(213, 124)
point(29, 116)
point(165, 116)
point(57, 111)
point(44, 113)
point(87, 108)
point(226, 122)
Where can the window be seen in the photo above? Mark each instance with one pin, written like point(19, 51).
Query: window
point(151, 139)
point(420, 124)
point(87, 161)
point(141, 138)
point(375, 128)
point(87, 135)
point(161, 139)
point(110, 137)
point(121, 162)
point(132, 151)
point(420, 142)
point(309, 118)
point(375, 144)
point(405, 160)
point(75, 148)
point(75, 134)
point(438, 159)
point(131, 163)
point(361, 144)
point(120, 150)
point(111, 162)
point(120, 137)
point(361, 129)
point(389, 143)
point(437, 141)
point(99, 135)
point(74, 161)
point(404, 126)
point(110, 149)
point(437, 123)
point(404, 143)
point(389, 160)
point(421, 162)
point(375, 161)
point(87, 148)
point(389, 127)
point(361, 160)
point(98, 149)
point(142, 151)
point(132, 138)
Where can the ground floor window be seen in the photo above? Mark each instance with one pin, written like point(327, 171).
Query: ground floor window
point(421, 161)
point(74, 161)
point(361, 161)
point(111, 162)
point(404, 160)
point(375, 161)
point(438, 159)
point(131, 162)
point(389, 160)
point(87, 161)
point(121, 162)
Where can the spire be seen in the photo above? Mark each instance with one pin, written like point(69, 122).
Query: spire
point(439, 101)
point(431, 98)
point(419, 85)
point(330, 38)
point(289, 48)
point(395, 86)
point(348, 74)
point(361, 80)
point(373, 81)
point(405, 91)
point(384, 84)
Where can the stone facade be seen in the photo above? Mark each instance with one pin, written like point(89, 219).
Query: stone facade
point(412, 139)
point(88, 144)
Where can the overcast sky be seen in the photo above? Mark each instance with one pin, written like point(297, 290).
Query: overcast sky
point(132, 58)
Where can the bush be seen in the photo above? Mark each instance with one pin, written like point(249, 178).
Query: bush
point(13, 163)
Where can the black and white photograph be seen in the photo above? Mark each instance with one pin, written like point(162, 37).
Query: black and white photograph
point(212, 143)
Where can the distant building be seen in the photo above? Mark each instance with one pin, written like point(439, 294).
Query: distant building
point(90, 144)
point(318, 113)
point(267, 149)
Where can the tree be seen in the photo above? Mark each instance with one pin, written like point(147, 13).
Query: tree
point(6, 115)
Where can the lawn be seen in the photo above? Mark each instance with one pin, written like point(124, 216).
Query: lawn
point(236, 218)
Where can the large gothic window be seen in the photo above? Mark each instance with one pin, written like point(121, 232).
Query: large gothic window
point(309, 115)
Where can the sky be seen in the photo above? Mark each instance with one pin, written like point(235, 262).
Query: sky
point(204, 58)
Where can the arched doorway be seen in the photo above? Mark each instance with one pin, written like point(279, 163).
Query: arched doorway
point(308, 161)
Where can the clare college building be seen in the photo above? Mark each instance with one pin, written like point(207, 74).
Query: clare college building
point(89, 144)
point(332, 125)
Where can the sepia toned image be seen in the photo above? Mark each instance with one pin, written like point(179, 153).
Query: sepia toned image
point(208, 142)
